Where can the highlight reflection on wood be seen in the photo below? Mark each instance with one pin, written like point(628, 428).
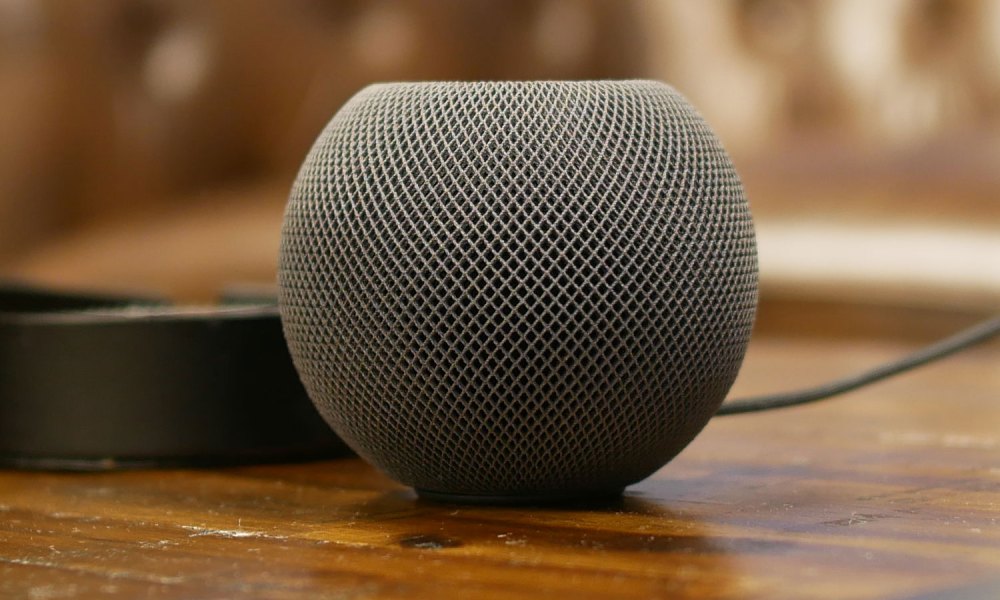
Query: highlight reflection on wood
point(891, 492)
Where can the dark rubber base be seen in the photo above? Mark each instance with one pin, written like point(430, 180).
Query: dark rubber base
point(583, 498)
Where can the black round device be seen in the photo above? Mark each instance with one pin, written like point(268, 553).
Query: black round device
point(518, 291)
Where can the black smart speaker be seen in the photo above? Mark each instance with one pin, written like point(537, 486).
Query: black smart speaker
point(518, 291)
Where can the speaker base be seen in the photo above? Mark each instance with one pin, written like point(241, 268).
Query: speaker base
point(588, 498)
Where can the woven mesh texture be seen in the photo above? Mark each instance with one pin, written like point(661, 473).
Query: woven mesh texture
point(518, 288)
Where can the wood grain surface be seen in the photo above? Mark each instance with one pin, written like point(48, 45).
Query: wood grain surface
point(892, 492)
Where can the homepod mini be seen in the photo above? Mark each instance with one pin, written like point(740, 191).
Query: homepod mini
point(517, 291)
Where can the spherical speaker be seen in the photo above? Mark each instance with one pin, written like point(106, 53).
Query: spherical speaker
point(517, 291)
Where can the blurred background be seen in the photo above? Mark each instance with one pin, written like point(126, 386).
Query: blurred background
point(150, 144)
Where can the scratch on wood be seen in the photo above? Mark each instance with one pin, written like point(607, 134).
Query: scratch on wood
point(230, 533)
point(858, 519)
point(940, 440)
point(148, 577)
point(44, 592)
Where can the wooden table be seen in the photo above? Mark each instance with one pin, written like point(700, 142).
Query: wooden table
point(893, 492)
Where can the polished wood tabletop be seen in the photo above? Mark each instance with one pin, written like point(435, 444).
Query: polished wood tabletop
point(891, 492)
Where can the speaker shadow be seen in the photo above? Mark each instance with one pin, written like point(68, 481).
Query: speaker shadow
point(602, 540)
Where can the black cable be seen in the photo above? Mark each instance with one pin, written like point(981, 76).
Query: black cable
point(960, 341)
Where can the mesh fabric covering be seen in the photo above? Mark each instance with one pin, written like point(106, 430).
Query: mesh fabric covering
point(518, 288)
